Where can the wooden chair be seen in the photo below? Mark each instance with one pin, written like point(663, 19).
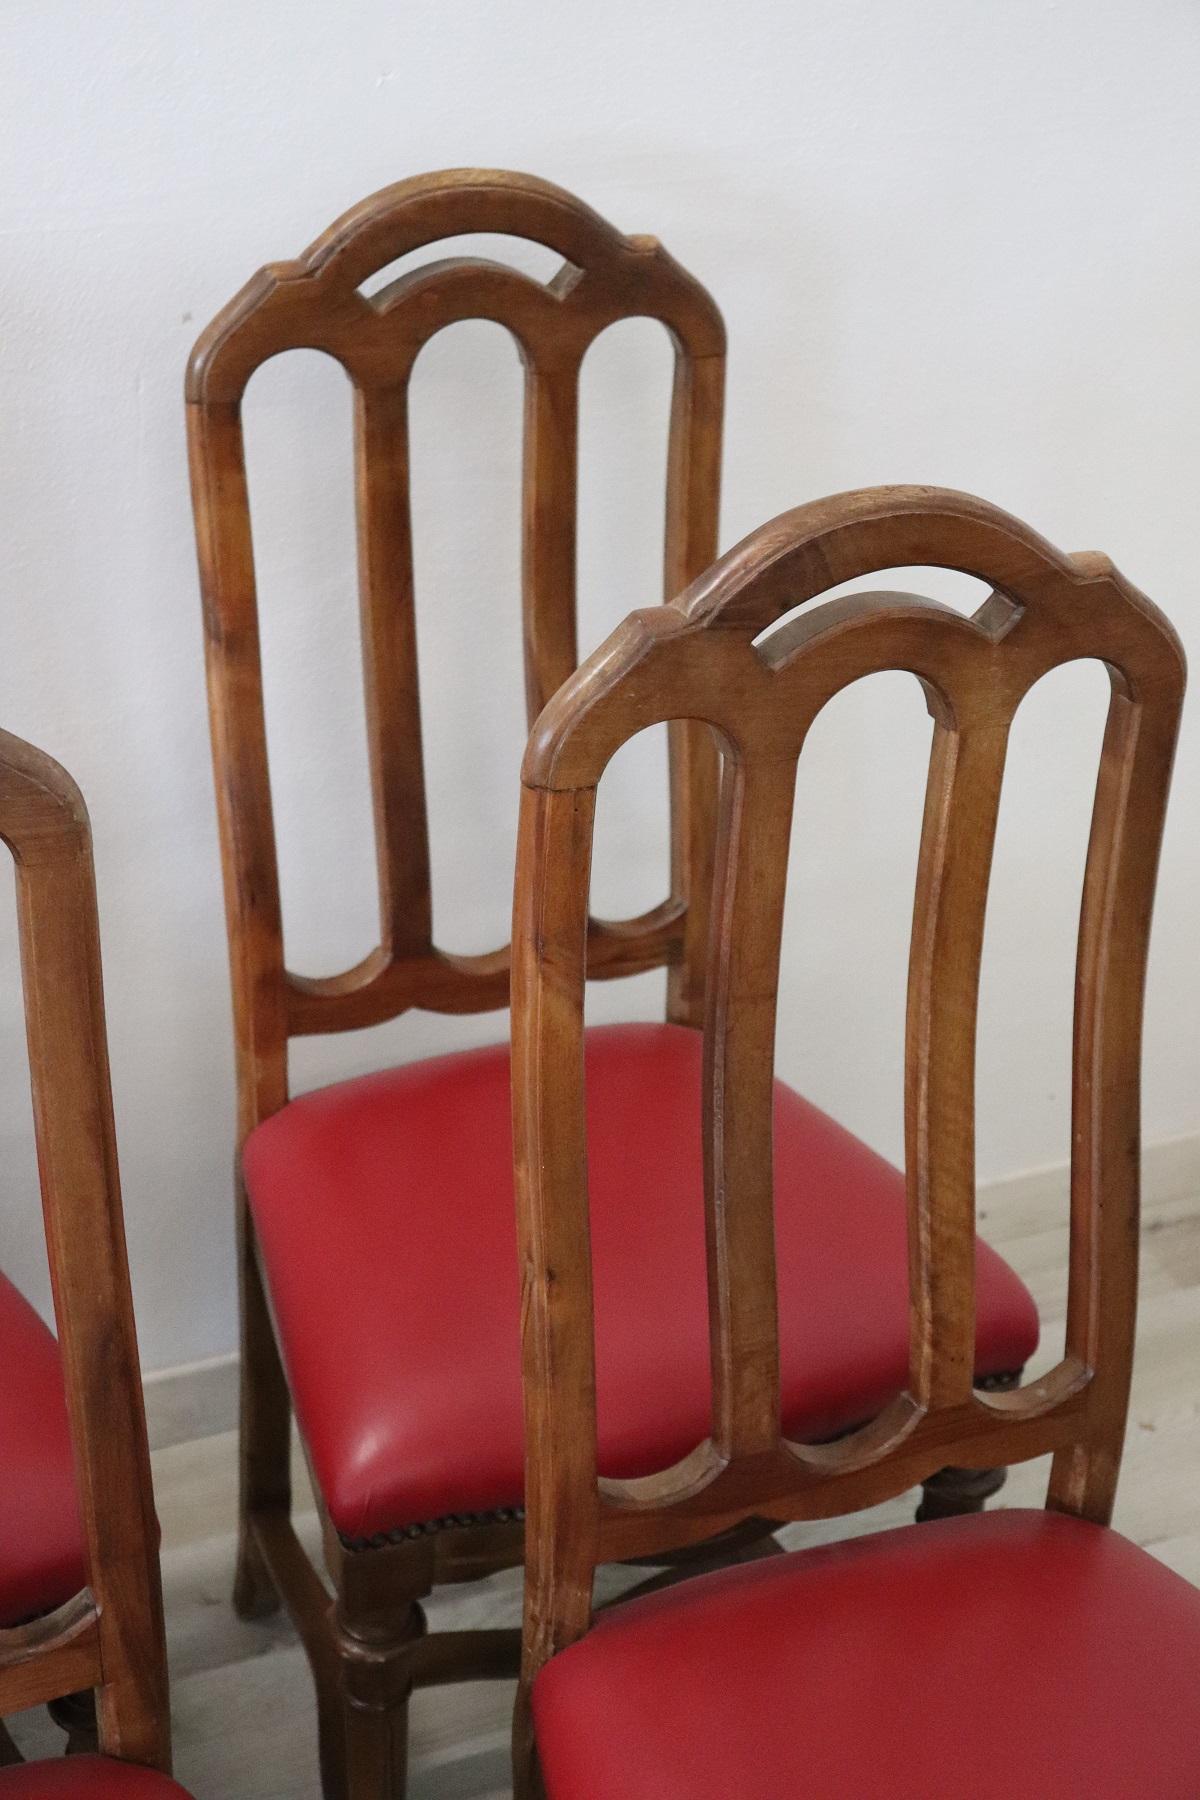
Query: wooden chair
point(105, 1631)
point(42, 1555)
point(1019, 1653)
point(379, 1231)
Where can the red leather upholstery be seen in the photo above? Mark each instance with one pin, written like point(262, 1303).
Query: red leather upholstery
point(384, 1211)
point(87, 1778)
point(41, 1539)
point(1008, 1656)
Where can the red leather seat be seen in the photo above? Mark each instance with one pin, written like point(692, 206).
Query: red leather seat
point(87, 1778)
point(384, 1209)
point(41, 1539)
point(1008, 1656)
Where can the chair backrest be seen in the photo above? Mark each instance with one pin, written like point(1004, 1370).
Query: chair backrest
point(697, 658)
point(318, 303)
point(110, 1636)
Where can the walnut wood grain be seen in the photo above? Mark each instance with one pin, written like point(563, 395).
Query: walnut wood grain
point(111, 1636)
point(962, 803)
point(739, 1045)
point(316, 303)
point(697, 659)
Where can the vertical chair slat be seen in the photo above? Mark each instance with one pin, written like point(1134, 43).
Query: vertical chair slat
point(554, 1242)
point(1123, 849)
point(233, 662)
point(389, 644)
point(693, 510)
point(962, 800)
point(548, 523)
point(739, 1072)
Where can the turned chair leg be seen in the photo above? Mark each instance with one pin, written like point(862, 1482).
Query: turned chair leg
point(375, 1652)
point(953, 1492)
point(76, 1715)
point(9, 1754)
point(264, 1446)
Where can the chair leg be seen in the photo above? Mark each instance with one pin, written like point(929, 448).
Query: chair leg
point(526, 1769)
point(952, 1492)
point(375, 1651)
point(264, 1447)
point(744, 1544)
point(9, 1754)
point(331, 1742)
point(76, 1715)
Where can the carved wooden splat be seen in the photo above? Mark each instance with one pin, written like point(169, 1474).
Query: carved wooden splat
point(697, 658)
point(318, 303)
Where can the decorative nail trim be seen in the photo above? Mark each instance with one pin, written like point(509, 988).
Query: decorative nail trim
point(402, 1534)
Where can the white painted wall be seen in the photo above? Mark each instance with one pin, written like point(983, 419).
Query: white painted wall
point(954, 243)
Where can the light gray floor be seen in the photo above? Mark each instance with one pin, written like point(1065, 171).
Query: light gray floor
point(242, 1706)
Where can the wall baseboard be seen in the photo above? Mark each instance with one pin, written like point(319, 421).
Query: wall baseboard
point(199, 1399)
point(1037, 1198)
point(191, 1400)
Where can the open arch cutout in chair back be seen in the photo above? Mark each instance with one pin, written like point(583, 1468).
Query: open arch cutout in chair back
point(697, 658)
point(317, 303)
point(110, 1636)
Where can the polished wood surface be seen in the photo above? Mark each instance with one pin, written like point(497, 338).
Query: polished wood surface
point(377, 1649)
point(316, 303)
point(718, 654)
point(110, 1637)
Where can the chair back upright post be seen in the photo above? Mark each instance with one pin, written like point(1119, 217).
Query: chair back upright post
point(709, 656)
point(318, 303)
point(109, 1637)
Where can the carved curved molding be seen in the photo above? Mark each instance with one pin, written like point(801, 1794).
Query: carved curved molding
point(315, 302)
point(676, 661)
point(705, 1492)
point(42, 811)
point(58, 1653)
point(380, 988)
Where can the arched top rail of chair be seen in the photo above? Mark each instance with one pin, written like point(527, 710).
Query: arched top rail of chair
point(315, 300)
point(1046, 608)
point(40, 804)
